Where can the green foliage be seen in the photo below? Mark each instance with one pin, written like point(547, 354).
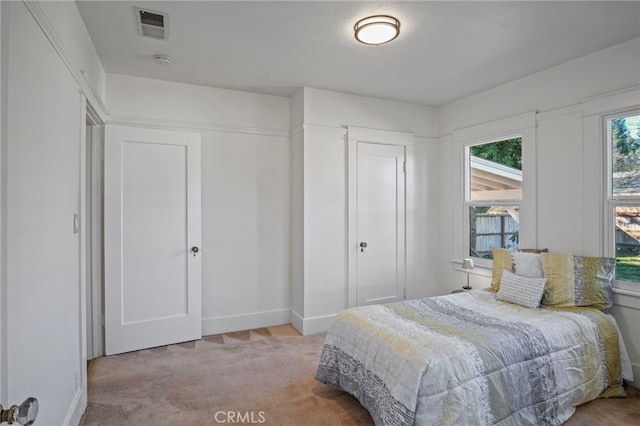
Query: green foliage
point(626, 154)
point(507, 152)
point(628, 265)
point(514, 239)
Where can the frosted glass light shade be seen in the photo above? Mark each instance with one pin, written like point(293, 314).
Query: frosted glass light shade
point(467, 264)
point(377, 29)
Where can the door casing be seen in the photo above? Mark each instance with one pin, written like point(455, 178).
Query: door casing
point(356, 135)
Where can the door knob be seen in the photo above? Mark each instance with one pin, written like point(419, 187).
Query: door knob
point(363, 245)
point(25, 414)
point(195, 250)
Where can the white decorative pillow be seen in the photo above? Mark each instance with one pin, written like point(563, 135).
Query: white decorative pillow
point(527, 264)
point(521, 290)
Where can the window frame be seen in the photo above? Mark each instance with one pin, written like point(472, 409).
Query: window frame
point(522, 125)
point(611, 201)
point(468, 203)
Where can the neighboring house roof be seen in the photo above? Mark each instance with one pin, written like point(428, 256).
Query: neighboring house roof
point(626, 184)
point(494, 181)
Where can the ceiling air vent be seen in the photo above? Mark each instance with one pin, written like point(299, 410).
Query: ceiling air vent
point(152, 23)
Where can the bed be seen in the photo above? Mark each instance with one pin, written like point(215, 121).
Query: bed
point(468, 358)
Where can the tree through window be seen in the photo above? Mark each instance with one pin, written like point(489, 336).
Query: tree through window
point(623, 134)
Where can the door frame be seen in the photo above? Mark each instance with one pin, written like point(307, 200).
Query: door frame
point(93, 191)
point(385, 137)
point(4, 30)
point(90, 116)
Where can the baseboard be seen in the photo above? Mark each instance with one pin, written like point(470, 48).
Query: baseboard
point(75, 410)
point(296, 321)
point(227, 324)
point(636, 376)
point(312, 325)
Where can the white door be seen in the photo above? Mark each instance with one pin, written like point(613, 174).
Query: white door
point(152, 238)
point(381, 223)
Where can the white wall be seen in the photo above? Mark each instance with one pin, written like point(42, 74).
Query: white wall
point(340, 110)
point(323, 152)
point(245, 189)
point(557, 87)
point(297, 209)
point(570, 100)
point(43, 342)
point(274, 193)
point(67, 24)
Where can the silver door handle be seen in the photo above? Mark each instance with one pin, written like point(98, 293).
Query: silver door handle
point(25, 414)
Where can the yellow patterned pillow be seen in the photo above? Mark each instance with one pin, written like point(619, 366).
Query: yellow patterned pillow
point(501, 261)
point(577, 280)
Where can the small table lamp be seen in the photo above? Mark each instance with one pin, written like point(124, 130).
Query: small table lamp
point(467, 265)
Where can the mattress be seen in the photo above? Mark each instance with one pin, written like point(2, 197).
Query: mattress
point(467, 358)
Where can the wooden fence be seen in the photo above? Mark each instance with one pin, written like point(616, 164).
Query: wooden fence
point(492, 230)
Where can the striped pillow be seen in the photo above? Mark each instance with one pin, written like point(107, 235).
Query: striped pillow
point(523, 291)
point(578, 280)
point(502, 261)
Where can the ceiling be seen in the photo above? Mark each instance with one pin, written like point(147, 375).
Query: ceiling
point(446, 49)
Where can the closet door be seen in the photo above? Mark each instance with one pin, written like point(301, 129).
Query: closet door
point(152, 238)
point(381, 223)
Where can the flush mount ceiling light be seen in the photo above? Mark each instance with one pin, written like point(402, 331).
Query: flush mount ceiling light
point(163, 60)
point(378, 29)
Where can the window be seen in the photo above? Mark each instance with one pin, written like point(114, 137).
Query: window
point(493, 195)
point(623, 196)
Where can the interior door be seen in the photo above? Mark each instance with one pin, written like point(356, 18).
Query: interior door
point(381, 223)
point(151, 238)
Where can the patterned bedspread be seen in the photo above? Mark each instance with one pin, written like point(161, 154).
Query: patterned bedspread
point(466, 359)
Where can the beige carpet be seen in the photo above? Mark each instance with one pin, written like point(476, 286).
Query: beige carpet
point(267, 373)
point(262, 376)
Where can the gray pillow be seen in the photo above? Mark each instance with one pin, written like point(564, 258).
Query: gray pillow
point(523, 291)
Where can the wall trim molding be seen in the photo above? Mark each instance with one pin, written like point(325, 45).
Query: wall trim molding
point(636, 375)
point(74, 414)
point(628, 299)
point(425, 140)
point(319, 324)
point(323, 128)
point(4, 147)
point(611, 103)
point(296, 320)
point(606, 95)
point(50, 33)
point(388, 137)
point(344, 130)
point(311, 325)
point(495, 129)
point(593, 105)
point(125, 120)
point(229, 323)
point(576, 109)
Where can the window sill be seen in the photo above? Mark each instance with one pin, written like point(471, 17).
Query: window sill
point(626, 298)
point(479, 270)
point(626, 292)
